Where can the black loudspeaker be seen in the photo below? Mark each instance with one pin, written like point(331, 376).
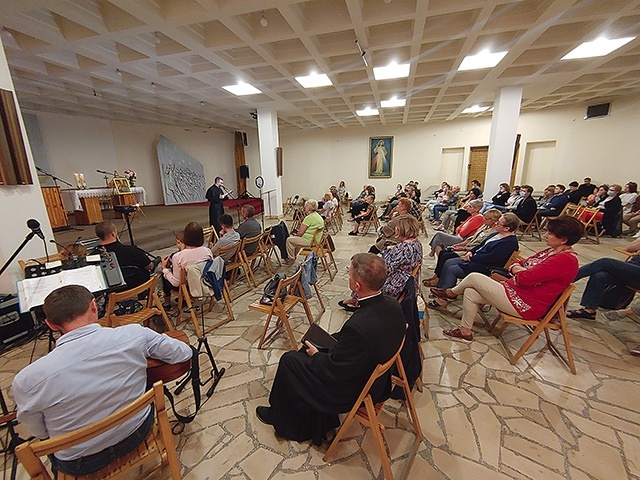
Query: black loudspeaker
point(244, 139)
point(13, 324)
point(244, 171)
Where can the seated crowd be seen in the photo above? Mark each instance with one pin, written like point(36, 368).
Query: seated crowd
point(312, 387)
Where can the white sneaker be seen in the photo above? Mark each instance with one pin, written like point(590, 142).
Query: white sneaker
point(637, 235)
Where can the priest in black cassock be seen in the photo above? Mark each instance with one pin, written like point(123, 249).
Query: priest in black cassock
point(215, 195)
point(311, 388)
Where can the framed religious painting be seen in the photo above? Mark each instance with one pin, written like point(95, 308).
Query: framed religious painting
point(380, 157)
point(121, 186)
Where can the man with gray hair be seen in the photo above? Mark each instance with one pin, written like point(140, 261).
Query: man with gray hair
point(311, 387)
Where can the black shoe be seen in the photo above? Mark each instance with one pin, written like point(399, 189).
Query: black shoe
point(264, 414)
point(353, 233)
point(347, 307)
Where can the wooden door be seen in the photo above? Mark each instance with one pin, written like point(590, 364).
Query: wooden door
point(55, 209)
point(477, 165)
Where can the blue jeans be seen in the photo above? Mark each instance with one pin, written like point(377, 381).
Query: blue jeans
point(439, 210)
point(96, 461)
point(451, 272)
point(605, 272)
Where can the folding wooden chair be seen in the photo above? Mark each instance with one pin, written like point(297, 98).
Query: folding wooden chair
point(236, 264)
point(268, 247)
point(322, 249)
point(555, 319)
point(626, 252)
point(372, 221)
point(591, 225)
point(210, 236)
point(281, 308)
point(367, 413)
point(158, 443)
point(152, 306)
point(185, 303)
point(423, 226)
point(533, 227)
point(298, 217)
point(258, 255)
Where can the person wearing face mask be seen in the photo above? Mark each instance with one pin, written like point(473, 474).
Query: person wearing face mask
point(526, 209)
point(499, 200)
point(612, 212)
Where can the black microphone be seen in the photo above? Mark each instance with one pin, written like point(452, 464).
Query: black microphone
point(34, 225)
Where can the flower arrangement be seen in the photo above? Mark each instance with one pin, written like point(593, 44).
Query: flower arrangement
point(131, 176)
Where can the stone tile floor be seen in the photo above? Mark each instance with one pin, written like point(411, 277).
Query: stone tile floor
point(481, 417)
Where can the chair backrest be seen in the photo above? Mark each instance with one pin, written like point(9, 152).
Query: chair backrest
point(380, 370)
point(117, 297)
point(289, 285)
point(251, 245)
point(515, 256)
point(235, 248)
point(29, 452)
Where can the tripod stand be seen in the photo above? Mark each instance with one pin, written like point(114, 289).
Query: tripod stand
point(215, 374)
point(8, 419)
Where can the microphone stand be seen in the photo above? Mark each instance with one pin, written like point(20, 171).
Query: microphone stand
point(231, 197)
point(55, 179)
point(106, 176)
point(26, 240)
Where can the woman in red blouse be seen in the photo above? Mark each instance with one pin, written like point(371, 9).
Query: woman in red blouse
point(465, 230)
point(535, 285)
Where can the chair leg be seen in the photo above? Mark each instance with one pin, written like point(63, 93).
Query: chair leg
point(165, 317)
point(377, 437)
point(264, 330)
point(186, 298)
point(341, 433)
point(525, 346)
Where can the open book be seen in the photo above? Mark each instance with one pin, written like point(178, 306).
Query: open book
point(319, 338)
point(33, 291)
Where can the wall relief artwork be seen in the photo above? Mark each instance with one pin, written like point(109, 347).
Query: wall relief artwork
point(182, 176)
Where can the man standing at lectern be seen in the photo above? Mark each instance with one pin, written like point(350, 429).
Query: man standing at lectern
point(215, 195)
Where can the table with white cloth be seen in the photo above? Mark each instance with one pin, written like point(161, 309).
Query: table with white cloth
point(71, 197)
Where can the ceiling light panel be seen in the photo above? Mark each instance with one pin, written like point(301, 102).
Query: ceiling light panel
point(314, 80)
point(242, 88)
point(597, 48)
point(367, 112)
point(393, 102)
point(481, 60)
point(475, 109)
point(393, 70)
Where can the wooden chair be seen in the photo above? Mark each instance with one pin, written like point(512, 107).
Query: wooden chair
point(536, 327)
point(258, 255)
point(367, 413)
point(587, 216)
point(423, 226)
point(281, 308)
point(533, 227)
point(210, 236)
point(268, 247)
point(626, 252)
point(185, 302)
point(236, 264)
point(322, 249)
point(569, 209)
point(152, 306)
point(159, 443)
point(298, 217)
point(373, 221)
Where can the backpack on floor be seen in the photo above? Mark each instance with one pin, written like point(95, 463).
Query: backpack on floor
point(617, 297)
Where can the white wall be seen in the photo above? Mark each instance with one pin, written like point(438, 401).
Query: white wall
point(83, 145)
point(18, 203)
point(314, 160)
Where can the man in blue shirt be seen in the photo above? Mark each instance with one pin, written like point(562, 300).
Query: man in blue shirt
point(92, 373)
point(555, 204)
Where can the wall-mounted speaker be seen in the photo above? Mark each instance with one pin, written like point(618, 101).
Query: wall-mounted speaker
point(279, 160)
point(244, 140)
point(600, 110)
point(244, 171)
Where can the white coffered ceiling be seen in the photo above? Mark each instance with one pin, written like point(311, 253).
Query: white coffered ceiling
point(165, 61)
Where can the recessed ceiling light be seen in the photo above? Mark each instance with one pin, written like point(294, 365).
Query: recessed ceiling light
point(597, 48)
point(263, 21)
point(484, 59)
point(314, 80)
point(153, 85)
point(367, 112)
point(393, 70)
point(157, 38)
point(475, 109)
point(242, 88)
point(119, 72)
point(393, 102)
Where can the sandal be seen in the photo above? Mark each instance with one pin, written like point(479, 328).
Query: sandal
point(430, 282)
point(581, 313)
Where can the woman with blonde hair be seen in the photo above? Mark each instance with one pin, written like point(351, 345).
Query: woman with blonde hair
point(402, 258)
